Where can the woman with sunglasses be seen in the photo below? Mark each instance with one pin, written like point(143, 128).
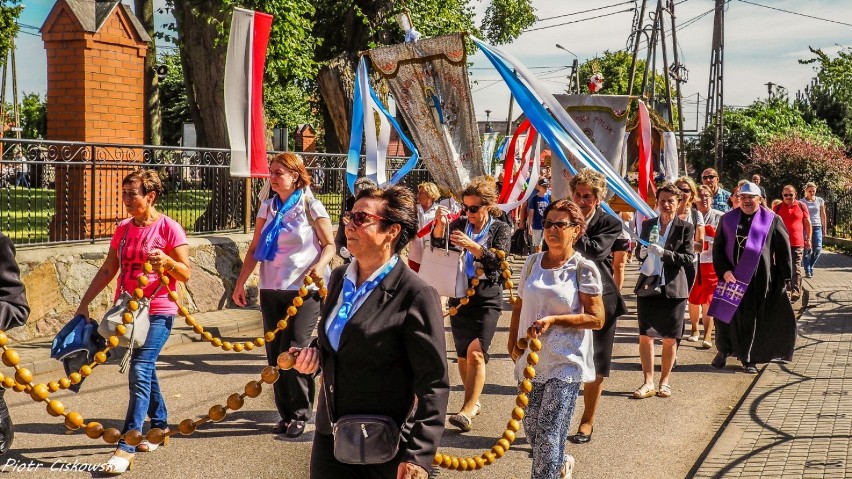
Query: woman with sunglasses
point(474, 324)
point(380, 343)
point(661, 315)
point(292, 239)
point(560, 297)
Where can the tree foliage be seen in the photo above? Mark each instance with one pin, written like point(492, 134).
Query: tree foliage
point(506, 19)
point(33, 116)
point(10, 10)
point(795, 160)
point(830, 95)
point(174, 108)
point(758, 124)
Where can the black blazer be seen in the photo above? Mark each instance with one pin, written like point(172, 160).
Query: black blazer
point(391, 351)
point(596, 244)
point(14, 309)
point(678, 254)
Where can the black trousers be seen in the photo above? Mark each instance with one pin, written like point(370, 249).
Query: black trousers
point(325, 466)
point(294, 392)
point(6, 432)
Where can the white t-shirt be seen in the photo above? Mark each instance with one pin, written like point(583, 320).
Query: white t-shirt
point(298, 246)
point(415, 247)
point(813, 209)
point(566, 354)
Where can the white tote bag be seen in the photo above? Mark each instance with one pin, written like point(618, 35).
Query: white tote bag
point(443, 269)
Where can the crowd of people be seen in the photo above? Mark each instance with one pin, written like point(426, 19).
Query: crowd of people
point(730, 259)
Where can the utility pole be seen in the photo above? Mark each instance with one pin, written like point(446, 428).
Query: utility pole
point(3, 98)
point(679, 74)
point(715, 97)
point(636, 33)
point(652, 50)
point(16, 108)
point(511, 105)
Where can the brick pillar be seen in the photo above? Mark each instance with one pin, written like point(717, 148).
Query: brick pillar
point(306, 138)
point(95, 89)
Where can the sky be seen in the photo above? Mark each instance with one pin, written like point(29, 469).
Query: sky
point(761, 45)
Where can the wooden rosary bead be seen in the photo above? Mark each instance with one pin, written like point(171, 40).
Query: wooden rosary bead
point(259, 342)
point(253, 389)
point(207, 336)
point(39, 392)
point(216, 342)
point(64, 383)
point(522, 343)
point(75, 378)
point(298, 302)
point(479, 461)
point(139, 293)
point(513, 425)
point(535, 344)
point(133, 305)
point(269, 336)
point(120, 330)
point(53, 386)
point(248, 346)
point(489, 457)
point(187, 427)
point(518, 414)
point(85, 370)
point(464, 301)
point(112, 341)
point(529, 372)
point(227, 346)
point(147, 267)
point(235, 402)
point(532, 358)
point(173, 295)
point(100, 357)
point(19, 388)
point(446, 461)
point(269, 375)
point(73, 420)
point(238, 347)
point(525, 387)
point(509, 284)
point(9, 382)
point(111, 435)
point(522, 400)
point(217, 413)
point(156, 435)
point(142, 280)
point(504, 443)
point(4, 340)
point(23, 376)
point(133, 437)
point(498, 451)
point(291, 311)
point(94, 430)
point(282, 324)
point(10, 358)
point(509, 435)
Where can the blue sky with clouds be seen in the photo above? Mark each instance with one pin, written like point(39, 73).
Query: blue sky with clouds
point(761, 45)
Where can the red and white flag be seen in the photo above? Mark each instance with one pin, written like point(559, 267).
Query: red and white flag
point(244, 68)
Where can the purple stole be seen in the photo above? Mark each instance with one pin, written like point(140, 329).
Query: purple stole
point(727, 296)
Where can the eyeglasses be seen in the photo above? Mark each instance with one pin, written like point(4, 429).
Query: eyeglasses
point(358, 218)
point(708, 177)
point(472, 208)
point(559, 225)
point(788, 195)
point(130, 193)
point(686, 190)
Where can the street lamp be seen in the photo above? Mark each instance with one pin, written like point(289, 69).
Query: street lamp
point(488, 128)
point(575, 67)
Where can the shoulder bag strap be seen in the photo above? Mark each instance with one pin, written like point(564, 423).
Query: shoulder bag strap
point(121, 255)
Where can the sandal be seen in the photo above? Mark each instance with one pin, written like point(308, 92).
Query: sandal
point(646, 391)
point(146, 446)
point(477, 408)
point(665, 391)
point(567, 471)
point(461, 421)
point(119, 464)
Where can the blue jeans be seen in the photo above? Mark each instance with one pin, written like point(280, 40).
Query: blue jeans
point(812, 255)
point(145, 396)
point(546, 423)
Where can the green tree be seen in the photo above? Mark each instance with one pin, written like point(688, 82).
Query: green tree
point(757, 124)
point(33, 116)
point(10, 10)
point(830, 95)
point(174, 107)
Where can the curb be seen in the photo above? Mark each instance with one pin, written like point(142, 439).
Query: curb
point(181, 334)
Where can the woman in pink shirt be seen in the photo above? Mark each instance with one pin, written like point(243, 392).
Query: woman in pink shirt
point(147, 236)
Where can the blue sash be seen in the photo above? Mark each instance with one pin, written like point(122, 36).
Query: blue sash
point(268, 244)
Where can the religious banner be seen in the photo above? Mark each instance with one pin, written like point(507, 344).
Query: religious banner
point(428, 79)
point(489, 145)
point(603, 118)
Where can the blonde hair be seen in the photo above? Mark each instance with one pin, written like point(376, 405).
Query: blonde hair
point(430, 189)
point(692, 187)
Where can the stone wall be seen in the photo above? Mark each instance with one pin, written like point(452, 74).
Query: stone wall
point(57, 277)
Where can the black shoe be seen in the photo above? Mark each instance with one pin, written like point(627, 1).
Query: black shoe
point(280, 426)
point(749, 368)
point(719, 361)
point(581, 438)
point(295, 429)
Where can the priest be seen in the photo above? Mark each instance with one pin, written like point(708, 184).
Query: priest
point(751, 256)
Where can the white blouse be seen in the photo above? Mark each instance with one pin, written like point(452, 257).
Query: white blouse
point(415, 247)
point(567, 353)
point(298, 246)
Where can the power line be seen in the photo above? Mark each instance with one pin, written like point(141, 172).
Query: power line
point(578, 21)
point(797, 13)
point(584, 11)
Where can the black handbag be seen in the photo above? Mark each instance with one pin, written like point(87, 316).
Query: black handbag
point(365, 438)
point(649, 286)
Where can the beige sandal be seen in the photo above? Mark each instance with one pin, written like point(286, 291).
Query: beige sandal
point(665, 391)
point(119, 463)
point(646, 391)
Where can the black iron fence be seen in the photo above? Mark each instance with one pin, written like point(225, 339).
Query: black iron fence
point(838, 209)
point(61, 192)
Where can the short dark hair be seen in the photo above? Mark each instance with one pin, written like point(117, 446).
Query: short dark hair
point(148, 180)
point(398, 208)
point(670, 189)
point(574, 213)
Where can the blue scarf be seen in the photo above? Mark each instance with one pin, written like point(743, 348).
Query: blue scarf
point(351, 295)
point(268, 244)
point(468, 256)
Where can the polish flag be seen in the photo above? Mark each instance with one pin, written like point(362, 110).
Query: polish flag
point(244, 67)
point(646, 162)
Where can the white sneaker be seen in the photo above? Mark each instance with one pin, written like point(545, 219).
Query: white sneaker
point(568, 467)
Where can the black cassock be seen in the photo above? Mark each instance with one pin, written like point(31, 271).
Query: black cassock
point(764, 326)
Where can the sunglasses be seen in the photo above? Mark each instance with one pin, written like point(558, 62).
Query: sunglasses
point(559, 225)
point(708, 177)
point(686, 190)
point(359, 218)
point(472, 208)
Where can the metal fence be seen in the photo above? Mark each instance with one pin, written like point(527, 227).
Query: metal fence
point(62, 192)
point(838, 209)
